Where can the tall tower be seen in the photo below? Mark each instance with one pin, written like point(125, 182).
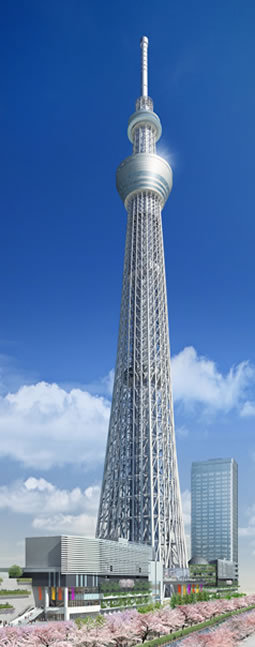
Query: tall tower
point(140, 497)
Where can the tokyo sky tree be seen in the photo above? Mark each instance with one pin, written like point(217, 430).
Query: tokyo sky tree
point(140, 497)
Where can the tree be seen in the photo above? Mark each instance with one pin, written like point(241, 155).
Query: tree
point(128, 628)
point(173, 601)
point(126, 584)
point(15, 571)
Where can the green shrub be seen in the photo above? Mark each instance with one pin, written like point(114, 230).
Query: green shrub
point(149, 607)
point(173, 601)
point(14, 592)
point(15, 571)
point(145, 608)
point(6, 605)
point(98, 621)
point(204, 596)
point(84, 621)
point(113, 588)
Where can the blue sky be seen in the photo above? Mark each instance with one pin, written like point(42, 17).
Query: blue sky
point(69, 79)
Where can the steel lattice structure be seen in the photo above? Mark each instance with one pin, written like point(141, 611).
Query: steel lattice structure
point(140, 497)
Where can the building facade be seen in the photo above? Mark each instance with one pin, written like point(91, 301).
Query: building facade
point(140, 497)
point(74, 575)
point(79, 576)
point(214, 510)
point(219, 573)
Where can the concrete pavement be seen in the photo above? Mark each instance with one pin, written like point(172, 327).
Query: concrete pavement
point(248, 642)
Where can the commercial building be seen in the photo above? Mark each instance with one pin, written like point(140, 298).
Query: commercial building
point(74, 575)
point(219, 573)
point(214, 510)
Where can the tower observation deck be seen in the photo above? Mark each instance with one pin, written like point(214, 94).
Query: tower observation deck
point(140, 497)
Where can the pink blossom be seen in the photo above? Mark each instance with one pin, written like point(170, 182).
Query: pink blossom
point(126, 584)
point(127, 628)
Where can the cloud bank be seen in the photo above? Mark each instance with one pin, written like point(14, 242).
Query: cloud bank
point(42, 425)
point(249, 530)
point(53, 509)
point(196, 380)
point(248, 409)
point(61, 510)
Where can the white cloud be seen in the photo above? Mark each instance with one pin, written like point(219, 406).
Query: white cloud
point(43, 425)
point(196, 379)
point(248, 409)
point(249, 530)
point(80, 524)
point(186, 514)
point(53, 509)
point(32, 484)
point(186, 507)
point(60, 510)
point(102, 386)
point(182, 431)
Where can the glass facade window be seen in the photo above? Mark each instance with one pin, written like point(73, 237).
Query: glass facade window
point(82, 580)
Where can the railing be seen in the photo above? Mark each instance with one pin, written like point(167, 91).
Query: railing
point(87, 589)
point(83, 603)
point(176, 574)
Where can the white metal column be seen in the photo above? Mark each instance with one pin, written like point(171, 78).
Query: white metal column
point(66, 608)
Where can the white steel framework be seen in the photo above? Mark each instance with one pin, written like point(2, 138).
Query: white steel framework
point(140, 497)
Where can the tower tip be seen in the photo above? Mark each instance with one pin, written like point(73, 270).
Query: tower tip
point(145, 40)
point(144, 66)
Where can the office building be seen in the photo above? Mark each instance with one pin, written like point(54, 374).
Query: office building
point(214, 510)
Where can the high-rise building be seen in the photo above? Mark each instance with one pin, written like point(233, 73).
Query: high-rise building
point(214, 509)
point(140, 498)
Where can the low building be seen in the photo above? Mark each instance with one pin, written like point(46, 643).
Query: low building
point(214, 574)
point(73, 576)
point(227, 572)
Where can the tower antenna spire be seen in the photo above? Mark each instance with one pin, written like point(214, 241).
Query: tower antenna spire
point(144, 42)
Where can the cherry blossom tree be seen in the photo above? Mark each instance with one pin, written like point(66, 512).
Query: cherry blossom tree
point(127, 628)
point(126, 584)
